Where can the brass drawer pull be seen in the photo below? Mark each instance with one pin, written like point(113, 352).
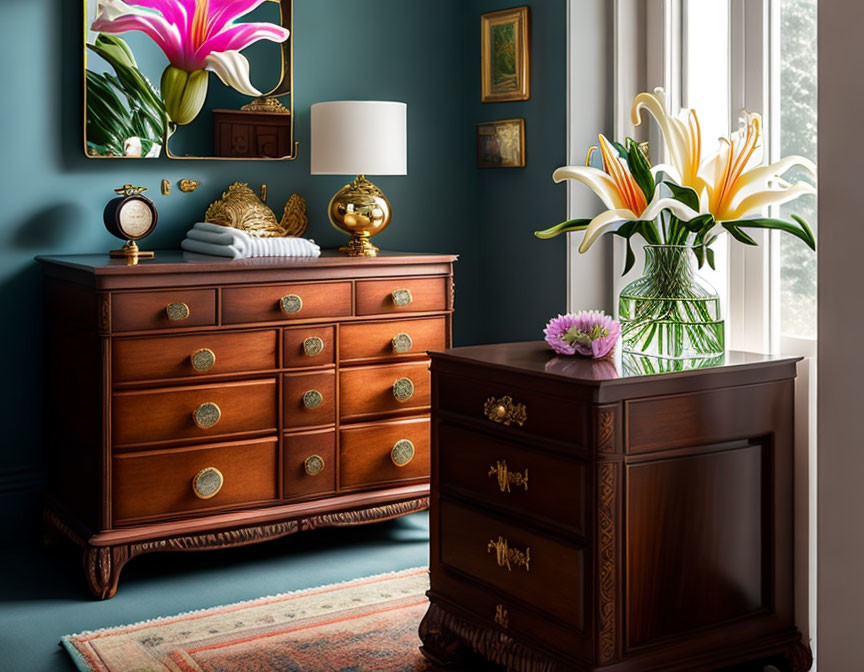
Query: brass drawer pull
point(507, 557)
point(403, 297)
point(177, 312)
point(203, 359)
point(207, 415)
point(402, 452)
point(313, 346)
point(314, 465)
point(403, 390)
point(506, 478)
point(291, 304)
point(207, 483)
point(402, 343)
point(505, 411)
point(312, 399)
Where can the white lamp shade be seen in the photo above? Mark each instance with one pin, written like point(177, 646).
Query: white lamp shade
point(359, 137)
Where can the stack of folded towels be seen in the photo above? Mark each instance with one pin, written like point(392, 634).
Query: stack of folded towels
point(225, 241)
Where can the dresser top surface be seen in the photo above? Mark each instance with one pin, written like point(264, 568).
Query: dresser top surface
point(178, 261)
point(535, 358)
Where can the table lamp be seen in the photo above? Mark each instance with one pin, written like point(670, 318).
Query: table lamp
point(360, 137)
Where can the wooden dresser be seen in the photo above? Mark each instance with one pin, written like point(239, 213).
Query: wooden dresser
point(194, 402)
point(583, 520)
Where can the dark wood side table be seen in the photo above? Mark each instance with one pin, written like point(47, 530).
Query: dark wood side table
point(583, 519)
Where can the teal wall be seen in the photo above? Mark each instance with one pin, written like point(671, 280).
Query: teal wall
point(423, 52)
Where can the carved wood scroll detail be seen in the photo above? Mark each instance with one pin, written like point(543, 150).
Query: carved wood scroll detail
point(606, 562)
point(104, 312)
point(606, 431)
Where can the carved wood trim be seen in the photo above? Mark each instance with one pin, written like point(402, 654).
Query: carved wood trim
point(363, 516)
point(606, 561)
point(451, 298)
point(105, 312)
point(606, 431)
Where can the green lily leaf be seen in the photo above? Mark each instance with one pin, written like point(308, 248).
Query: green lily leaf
point(738, 234)
point(802, 231)
point(117, 48)
point(640, 169)
point(563, 227)
point(686, 195)
point(622, 151)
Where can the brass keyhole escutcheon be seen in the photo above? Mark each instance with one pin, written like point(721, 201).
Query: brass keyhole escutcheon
point(402, 452)
point(207, 415)
point(312, 399)
point(291, 304)
point(314, 465)
point(403, 297)
point(403, 389)
point(177, 312)
point(313, 346)
point(402, 343)
point(203, 359)
point(207, 483)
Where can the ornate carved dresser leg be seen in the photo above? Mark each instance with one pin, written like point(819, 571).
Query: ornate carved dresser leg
point(441, 646)
point(102, 567)
point(799, 656)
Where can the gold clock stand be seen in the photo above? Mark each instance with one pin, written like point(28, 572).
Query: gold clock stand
point(130, 251)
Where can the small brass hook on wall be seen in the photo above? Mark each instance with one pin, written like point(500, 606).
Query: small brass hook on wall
point(188, 186)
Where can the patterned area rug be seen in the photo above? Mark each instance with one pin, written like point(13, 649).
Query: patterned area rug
point(369, 625)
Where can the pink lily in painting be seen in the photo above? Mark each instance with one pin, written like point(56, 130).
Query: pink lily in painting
point(197, 36)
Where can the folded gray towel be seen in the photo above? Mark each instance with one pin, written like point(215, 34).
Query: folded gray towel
point(224, 241)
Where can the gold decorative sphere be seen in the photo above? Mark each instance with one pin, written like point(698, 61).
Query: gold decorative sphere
point(361, 210)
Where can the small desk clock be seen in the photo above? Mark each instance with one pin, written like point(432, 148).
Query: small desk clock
point(131, 217)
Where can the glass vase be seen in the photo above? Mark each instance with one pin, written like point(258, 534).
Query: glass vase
point(670, 312)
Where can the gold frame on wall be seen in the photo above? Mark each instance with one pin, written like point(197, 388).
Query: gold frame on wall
point(520, 162)
point(521, 18)
point(285, 88)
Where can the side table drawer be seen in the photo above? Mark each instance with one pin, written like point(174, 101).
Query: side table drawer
point(273, 303)
point(198, 412)
point(516, 561)
point(401, 295)
point(375, 390)
point(179, 480)
point(384, 452)
point(506, 475)
point(309, 398)
point(140, 311)
point(403, 338)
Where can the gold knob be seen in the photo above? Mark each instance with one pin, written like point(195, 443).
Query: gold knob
point(207, 483)
point(506, 478)
point(505, 411)
point(507, 557)
point(402, 343)
point(314, 465)
point(312, 399)
point(403, 297)
point(403, 389)
point(291, 304)
point(402, 452)
point(203, 359)
point(313, 346)
point(207, 415)
point(177, 312)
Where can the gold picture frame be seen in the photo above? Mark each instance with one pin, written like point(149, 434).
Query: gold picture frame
point(501, 144)
point(506, 55)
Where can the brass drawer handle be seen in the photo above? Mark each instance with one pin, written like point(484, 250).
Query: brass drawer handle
point(177, 312)
point(505, 411)
point(313, 346)
point(207, 483)
point(291, 304)
point(203, 359)
point(506, 478)
point(403, 390)
point(314, 465)
point(402, 297)
point(402, 452)
point(312, 399)
point(207, 415)
point(507, 557)
point(402, 343)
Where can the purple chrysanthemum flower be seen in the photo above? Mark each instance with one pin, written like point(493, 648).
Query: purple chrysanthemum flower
point(590, 333)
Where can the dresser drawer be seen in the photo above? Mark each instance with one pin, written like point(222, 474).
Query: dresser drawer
point(403, 338)
point(309, 398)
point(199, 355)
point(285, 302)
point(140, 311)
point(520, 563)
point(309, 346)
point(509, 476)
point(375, 390)
point(202, 411)
point(515, 410)
point(175, 481)
point(372, 454)
point(309, 464)
point(406, 295)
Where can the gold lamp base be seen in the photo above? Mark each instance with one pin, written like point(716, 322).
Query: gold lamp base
point(362, 210)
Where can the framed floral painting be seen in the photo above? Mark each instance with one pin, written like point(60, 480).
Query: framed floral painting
point(501, 144)
point(505, 57)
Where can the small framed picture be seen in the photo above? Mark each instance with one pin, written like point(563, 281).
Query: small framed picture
point(501, 144)
point(505, 57)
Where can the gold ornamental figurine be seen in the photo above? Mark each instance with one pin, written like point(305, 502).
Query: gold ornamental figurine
point(241, 208)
